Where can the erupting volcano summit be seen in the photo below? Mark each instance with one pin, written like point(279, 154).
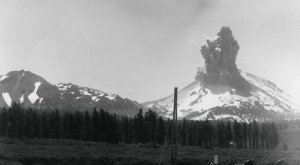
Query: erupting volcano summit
point(222, 91)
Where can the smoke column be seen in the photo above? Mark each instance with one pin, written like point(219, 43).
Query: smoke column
point(220, 55)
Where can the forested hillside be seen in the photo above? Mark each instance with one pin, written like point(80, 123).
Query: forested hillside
point(145, 128)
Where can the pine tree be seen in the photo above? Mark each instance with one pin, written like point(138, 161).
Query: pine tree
point(245, 135)
point(255, 134)
point(263, 136)
point(150, 122)
point(44, 131)
point(237, 134)
point(3, 122)
point(183, 132)
point(126, 130)
point(161, 131)
point(19, 115)
point(95, 125)
point(104, 126)
point(87, 126)
point(141, 137)
point(200, 133)
point(70, 126)
point(36, 124)
point(207, 131)
point(228, 134)
point(273, 136)
point(250, 135)
point(77, 123)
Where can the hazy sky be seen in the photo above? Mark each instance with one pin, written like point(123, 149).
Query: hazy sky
point(141, 49)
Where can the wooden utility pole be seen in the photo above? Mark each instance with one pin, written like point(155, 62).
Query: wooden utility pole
point(174, 131)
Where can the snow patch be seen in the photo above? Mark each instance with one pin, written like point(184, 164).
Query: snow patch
point(63, 87)
point(33, 96)
point(150, 105)
point(7, 98)
point(95, 98)
point(202, 116)
point(111, 96)
point(3, 77)
point(22, 98)
point(218, 49)
point(41, 100)
point(84, 92)
point(224, 116)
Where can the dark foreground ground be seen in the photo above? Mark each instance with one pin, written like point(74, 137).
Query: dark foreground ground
point(70, 152)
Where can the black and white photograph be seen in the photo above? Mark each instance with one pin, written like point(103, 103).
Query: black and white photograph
point(149, 82)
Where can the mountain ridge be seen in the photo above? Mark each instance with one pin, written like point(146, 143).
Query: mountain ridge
point(32, 90)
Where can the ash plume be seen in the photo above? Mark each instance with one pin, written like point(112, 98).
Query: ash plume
point(220, 53)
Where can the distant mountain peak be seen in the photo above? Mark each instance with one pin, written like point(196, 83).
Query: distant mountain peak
point(31, 90)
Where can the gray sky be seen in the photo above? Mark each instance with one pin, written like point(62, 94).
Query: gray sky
point(141, 49)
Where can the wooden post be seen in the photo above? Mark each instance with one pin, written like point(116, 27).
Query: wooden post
point(174, 131)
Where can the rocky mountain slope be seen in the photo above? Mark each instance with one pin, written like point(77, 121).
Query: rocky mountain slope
point(32, 90)
point(222, 91)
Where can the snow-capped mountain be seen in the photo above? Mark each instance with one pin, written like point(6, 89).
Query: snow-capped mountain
point(201, 100)
point(222, 91)
point(32, 90)
point(76, 96)
point(27, 88)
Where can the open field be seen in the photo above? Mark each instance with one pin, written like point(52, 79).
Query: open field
point(291, 137)
point(63, 152)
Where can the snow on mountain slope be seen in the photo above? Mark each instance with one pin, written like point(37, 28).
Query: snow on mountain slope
point(33, 96)
point(33, 91)
point(83, 97)
point(272, 97)
point(22, 98)
point(202, 101)
point(7, 98)
point(3, 77)
point(29, 89)
point(79, 92)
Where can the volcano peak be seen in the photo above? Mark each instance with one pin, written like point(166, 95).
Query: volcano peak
point(222, 91)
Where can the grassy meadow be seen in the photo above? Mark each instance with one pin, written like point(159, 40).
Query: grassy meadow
point(66, 152)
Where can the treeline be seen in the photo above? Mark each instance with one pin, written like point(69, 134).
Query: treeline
point(289, 124)
point(145, 128)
